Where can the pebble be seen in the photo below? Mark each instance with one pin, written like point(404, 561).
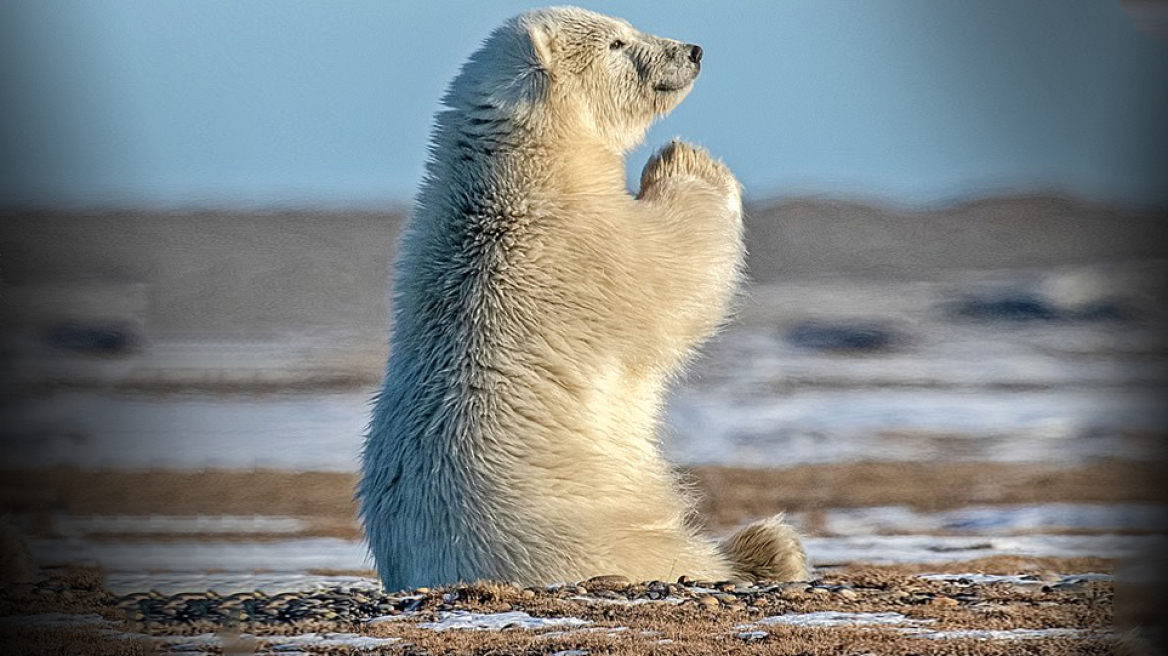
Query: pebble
point(357, 604)
point(611, 580)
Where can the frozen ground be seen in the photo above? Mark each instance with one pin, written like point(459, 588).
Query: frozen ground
point(298, 556)
point(877, 535)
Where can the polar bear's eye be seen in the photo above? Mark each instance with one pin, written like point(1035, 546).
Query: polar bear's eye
point(617, 44)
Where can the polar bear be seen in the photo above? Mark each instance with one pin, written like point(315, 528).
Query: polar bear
point(539, 311)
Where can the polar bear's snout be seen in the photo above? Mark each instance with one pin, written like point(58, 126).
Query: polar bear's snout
point(684, 64)
point(695, 54)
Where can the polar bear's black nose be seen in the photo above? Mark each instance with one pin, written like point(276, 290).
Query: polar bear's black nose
point(695, 54)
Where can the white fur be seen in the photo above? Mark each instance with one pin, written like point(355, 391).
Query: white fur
point(539, 311)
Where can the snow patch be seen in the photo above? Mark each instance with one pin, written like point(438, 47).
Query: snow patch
point(997, 634)
point(286, 560)
point(997, 520)
point(603, 630)
point(1016, 579)
point(833, 618)
point(894, 549)
point(466, 620)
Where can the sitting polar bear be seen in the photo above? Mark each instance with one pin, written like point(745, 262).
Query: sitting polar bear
point(539, 310)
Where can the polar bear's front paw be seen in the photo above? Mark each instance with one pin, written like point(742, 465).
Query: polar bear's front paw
point(678, 158)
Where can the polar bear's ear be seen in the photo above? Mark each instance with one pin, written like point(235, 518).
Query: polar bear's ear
point(542, 43)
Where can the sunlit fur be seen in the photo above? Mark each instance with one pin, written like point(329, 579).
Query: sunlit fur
point(539, 310)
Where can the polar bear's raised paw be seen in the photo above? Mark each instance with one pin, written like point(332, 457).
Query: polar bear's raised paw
point(678, 158)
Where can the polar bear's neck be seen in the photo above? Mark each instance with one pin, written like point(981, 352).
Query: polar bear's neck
point(480, 140)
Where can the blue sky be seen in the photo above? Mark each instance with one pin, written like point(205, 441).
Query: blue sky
point(291, 102)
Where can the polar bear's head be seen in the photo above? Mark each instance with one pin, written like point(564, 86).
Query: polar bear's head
point(578, 70)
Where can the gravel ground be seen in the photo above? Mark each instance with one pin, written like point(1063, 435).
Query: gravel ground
point(1026, 606)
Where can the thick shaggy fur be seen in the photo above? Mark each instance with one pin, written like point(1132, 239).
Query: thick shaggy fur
point(539, 311)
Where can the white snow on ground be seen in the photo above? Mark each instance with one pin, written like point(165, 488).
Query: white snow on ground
point(902, 623)
point(892, 549)
point(831, 618)
point(466, 620)
point(1000, 634)
point(997, 520)
point(296, 556)
point(876, 520)
point(1015, 579)
point(603, 630)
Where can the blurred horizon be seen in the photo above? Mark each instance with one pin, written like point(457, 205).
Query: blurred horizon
point(178, 105)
